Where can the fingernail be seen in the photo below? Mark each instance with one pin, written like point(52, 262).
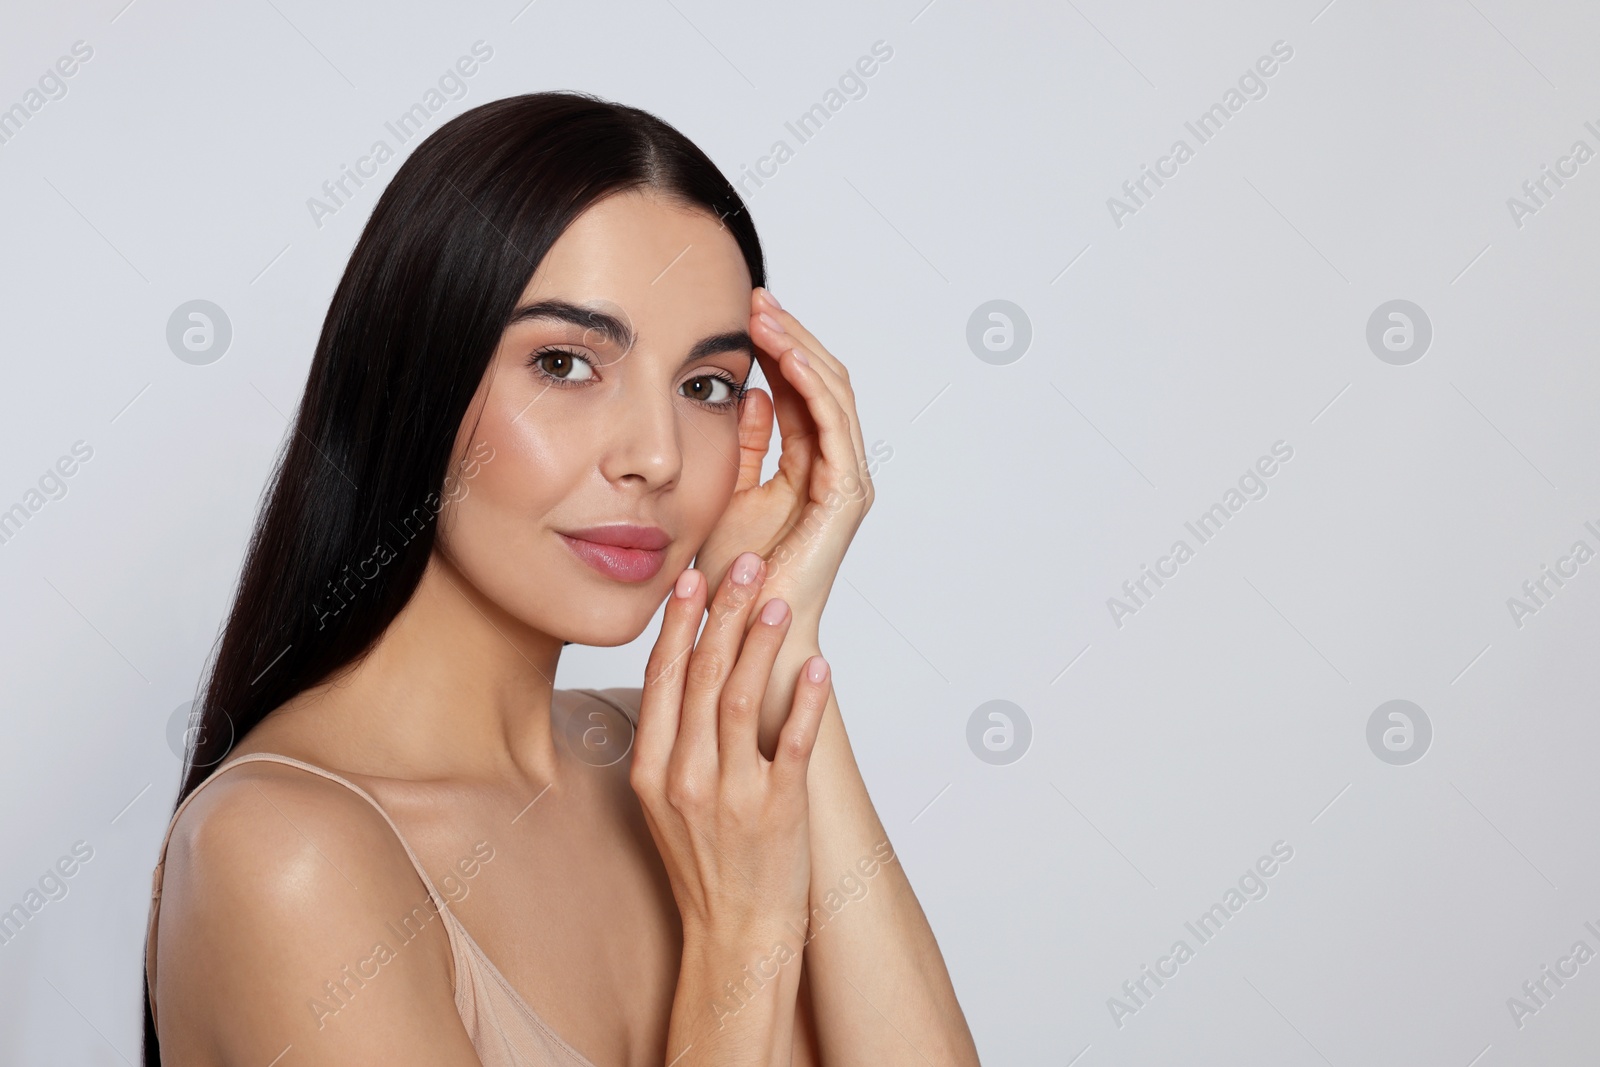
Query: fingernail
point(770, 298)
point(816, 668)
point(772, 324)
point(684, 587)
point(745, 567)
point(774, 611)
point(799, 357)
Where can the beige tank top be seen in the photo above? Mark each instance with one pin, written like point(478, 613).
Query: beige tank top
point(504, 1030)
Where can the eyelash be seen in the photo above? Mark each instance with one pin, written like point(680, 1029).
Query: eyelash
point(735, 388)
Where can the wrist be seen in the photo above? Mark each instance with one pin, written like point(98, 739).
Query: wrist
point(736, 992)
point(739, 941)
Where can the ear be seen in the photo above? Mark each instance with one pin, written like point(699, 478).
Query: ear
point(755, 436)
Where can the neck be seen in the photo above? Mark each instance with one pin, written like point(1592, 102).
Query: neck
point(454, 688)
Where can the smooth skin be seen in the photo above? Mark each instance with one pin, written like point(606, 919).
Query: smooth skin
point(619, 900)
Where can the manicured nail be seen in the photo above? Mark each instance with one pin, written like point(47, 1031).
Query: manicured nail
point(745, 567)
point(816, 668)
point(771, 323)
point(684, 587)
point(774, 611)
point(799, 357)
point(770, 298)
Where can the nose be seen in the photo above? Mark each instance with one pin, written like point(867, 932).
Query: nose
point(642, 444)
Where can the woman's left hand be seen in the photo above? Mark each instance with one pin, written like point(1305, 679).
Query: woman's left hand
point(803, 518)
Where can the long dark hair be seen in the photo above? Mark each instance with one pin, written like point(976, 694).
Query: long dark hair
point(347, 524)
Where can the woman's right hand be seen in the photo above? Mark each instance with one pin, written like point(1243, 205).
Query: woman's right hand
point(731, 825)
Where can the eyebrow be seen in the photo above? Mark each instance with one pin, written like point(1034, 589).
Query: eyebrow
point(593, 318)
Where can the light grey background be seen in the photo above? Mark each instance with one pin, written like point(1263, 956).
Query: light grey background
point(1228, 313)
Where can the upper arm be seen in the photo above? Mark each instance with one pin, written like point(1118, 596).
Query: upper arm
point(291, 916)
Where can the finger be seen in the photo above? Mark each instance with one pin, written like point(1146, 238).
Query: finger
point(853, 474)
point(772, 333)
point(839, 384)
point(714, 655)
point(797, 442)
point(833, 365)
point(740, 707)
point(834, 438)
point(796, 430)
point(797, 329)
point(789, 324)
point(755, 437)
point(661, 701)
point(798, 738)
point(771, 329)
point(788, 405)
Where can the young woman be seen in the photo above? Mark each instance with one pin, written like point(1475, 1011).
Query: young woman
point(525, 419)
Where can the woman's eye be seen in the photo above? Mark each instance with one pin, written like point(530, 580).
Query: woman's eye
point(708, 389)
point(565, 366)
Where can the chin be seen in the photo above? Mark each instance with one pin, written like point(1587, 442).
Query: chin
point(607, 630)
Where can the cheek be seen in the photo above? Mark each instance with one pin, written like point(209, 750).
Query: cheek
point(710, 471)
point(533, 467)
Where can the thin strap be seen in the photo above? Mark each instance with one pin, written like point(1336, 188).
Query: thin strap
point(264, 757)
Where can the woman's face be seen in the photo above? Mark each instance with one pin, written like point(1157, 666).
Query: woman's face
point(611, 401)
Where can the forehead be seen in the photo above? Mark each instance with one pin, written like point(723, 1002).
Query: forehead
point(665, 265)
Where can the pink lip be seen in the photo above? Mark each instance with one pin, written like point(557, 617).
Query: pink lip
point(622, 552)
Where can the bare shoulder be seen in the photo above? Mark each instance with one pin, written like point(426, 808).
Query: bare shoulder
point(291, 916)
